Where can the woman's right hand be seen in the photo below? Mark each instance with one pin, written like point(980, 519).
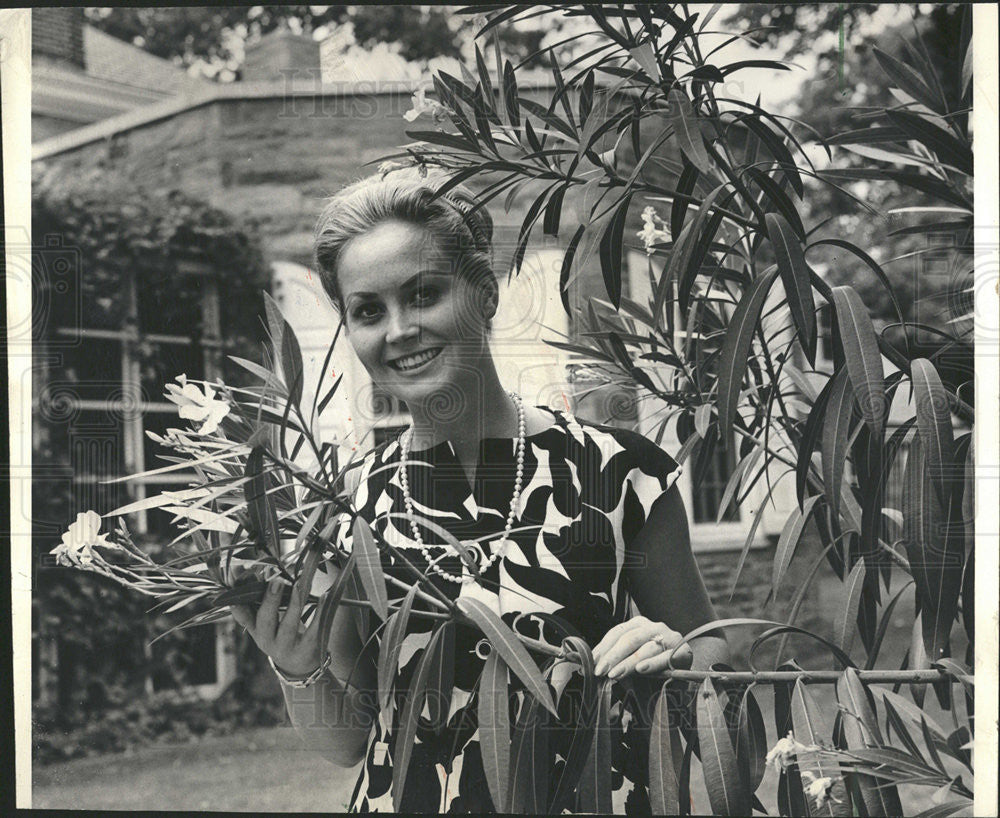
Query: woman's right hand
point(293, 648)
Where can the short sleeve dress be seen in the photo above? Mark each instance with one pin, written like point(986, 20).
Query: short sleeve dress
point(587, 490)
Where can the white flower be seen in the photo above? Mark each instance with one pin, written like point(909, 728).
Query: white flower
point(388, 167)
point(77, 548)
point(193, 404)
point(819, 788)
point(422, 105)
point(650, 233)
point(783, 753)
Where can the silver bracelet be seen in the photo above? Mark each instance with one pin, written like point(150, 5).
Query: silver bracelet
point(306, 681)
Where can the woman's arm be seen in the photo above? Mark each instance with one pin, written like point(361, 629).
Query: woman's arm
point(668, 590)
point(333, 716)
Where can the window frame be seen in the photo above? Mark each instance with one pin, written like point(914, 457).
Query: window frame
point(131, 337)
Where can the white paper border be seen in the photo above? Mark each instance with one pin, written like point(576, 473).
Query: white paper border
point(15, 76)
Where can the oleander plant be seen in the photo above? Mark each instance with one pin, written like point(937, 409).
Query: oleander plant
point(727, 346)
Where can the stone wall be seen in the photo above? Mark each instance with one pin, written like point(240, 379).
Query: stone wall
point(273, 158)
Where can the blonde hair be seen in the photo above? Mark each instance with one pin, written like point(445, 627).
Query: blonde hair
point(410, 196)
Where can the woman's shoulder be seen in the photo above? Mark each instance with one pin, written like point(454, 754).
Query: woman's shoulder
point(627, 448)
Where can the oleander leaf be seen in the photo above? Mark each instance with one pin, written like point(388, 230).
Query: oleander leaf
point(860, 722)
point(861, 730)
point(736, 349)
point(935, 551)
point(789, 540)
point(528, 790)
point(692, 245)
point(594, 790)
point(611, 252)
point(663, 782)
point(261, 372)
point(808, 727)
point(494, 728)
point(944, 810)
point(291, 364)
point(645, 56)
point(685, 124)
point(908, 80)
point(864, 360)
point(781, 201)
point(583, 730)
point(847, 618)
point(442, 678)
point(411, 717)
point(883, 627)
point(791, 798)
point(510, 95)
point(726, 792)
point(370, 568)
point(940, 142)
point(751, 745)
point(918, 657)
point(835, 439)
point(566, 268)
point(934, 425)
point(553, 212)
point(260, 504)
point(514, 654)
point(872, 265)
point(391, 647)
point(327, 606)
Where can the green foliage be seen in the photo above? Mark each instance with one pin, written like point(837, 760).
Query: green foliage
point(86, 231)
point(726, 340)
point(208, 37)
point(130, 720)
point(840, 96)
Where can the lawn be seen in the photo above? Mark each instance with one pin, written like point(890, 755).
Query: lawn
point(262, 770)
point(266, 770)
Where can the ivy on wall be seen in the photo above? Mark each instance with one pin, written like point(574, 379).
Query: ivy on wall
point(90, 636)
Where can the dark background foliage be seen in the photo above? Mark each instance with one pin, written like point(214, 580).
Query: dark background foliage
point(210, 33)
point(90, 231)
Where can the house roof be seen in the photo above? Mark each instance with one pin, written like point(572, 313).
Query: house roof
point(209, 92)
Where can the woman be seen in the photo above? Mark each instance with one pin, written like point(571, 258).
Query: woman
point(575, 528)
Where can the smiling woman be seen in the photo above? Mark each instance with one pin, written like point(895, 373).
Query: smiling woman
point(566, 529)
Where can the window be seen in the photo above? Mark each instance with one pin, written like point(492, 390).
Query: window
point(112, 381)
point(133, 333)
point(707, 496)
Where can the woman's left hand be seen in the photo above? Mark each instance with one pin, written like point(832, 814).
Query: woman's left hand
point(642, 646)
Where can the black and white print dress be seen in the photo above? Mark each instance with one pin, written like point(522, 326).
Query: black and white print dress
point(587, 491)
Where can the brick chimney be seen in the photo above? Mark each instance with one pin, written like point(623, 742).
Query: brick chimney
point(277, 54)
point(57, 35)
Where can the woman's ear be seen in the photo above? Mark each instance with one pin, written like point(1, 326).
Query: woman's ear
point(491, 298)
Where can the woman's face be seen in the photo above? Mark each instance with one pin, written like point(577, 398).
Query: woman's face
point(418, 328)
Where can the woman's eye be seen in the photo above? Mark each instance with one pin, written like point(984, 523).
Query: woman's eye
point(425, 295)
point(365, 312)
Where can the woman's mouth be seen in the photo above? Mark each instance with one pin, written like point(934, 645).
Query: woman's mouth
point(411, 363)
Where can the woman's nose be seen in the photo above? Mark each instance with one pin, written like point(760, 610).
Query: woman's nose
point(401, 326)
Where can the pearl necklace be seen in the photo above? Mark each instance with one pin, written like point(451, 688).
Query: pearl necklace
point(504, 541)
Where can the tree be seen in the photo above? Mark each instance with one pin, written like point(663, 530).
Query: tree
point(213, 37)
point(840, 90)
